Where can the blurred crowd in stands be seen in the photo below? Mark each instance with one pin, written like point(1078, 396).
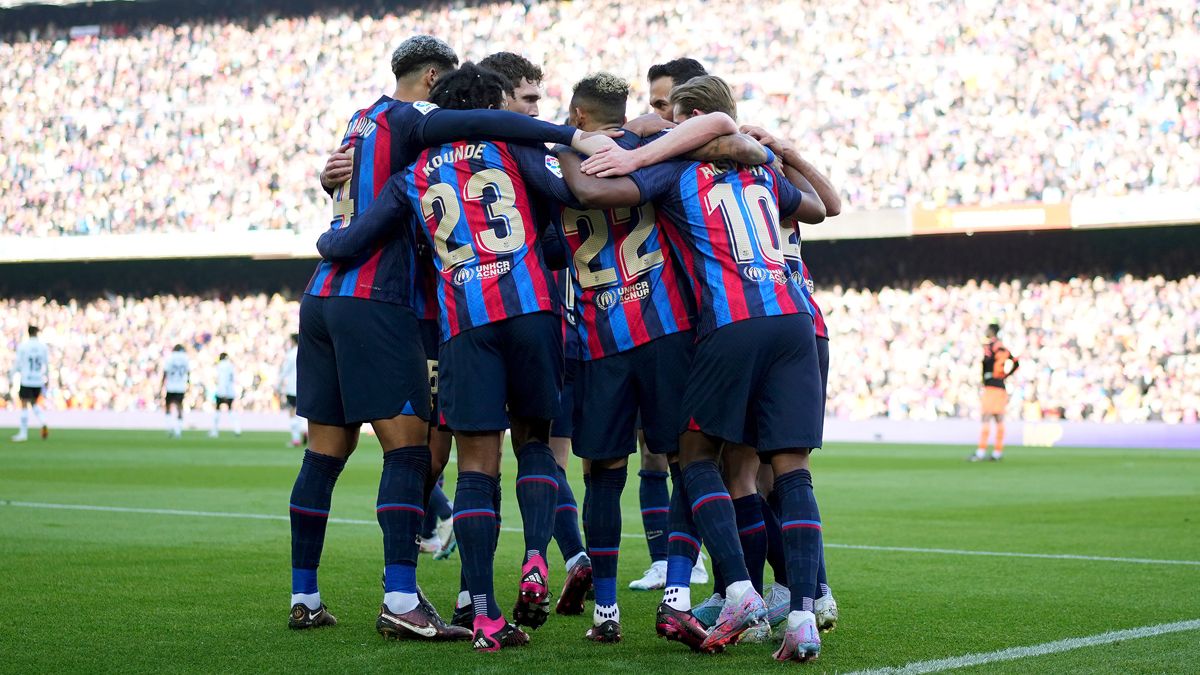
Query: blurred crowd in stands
point(210, 125)
point(1124, 349)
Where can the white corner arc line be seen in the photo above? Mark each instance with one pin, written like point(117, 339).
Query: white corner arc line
point(1014, 653)
point(625, 535)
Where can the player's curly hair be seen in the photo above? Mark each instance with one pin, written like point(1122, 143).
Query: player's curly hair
point(679, 70)
point(420, 52)
point(469, 88)
point(707, 93)
point(603, 95)
point(513, 66)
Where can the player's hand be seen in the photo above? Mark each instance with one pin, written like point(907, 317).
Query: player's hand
point(776, 144)
point(648, 125)
point(590, 142)
point(338, 168)
point(610, 162)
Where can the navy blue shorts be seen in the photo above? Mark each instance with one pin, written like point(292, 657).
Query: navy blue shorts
point(359, 360)
point(823, 361)
point(563, 424)
point(612, 392)
point(429, 340)
point(512, 367)
point(757, 382)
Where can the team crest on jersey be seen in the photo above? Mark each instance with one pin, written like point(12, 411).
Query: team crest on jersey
point(462, 276)
point(553, 166)
point(424, 107)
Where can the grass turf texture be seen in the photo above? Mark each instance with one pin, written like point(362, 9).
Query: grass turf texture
point(149, 592)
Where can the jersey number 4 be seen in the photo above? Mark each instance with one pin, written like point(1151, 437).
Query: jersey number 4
point(509, 237)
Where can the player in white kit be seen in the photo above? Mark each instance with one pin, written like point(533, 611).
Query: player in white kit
point(32, 364)
point(287, 389)
point(176, 372)
point(226, 393)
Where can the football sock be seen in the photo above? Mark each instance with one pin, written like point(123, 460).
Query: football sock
point(566, 519)
point(752, 531)
point(801, 535)
point(37, 412)
point(606, 601)
point(999, 447)
point(604, 536)
point(587, 496)
point(683, 546)
point(983, 439)
point(475, 528)
point(737, 588)
point(718, 581)
point(398, 510)
point(237, 423)
point(296, 425)
point(463, 599)
point(309, 513)
point(713, 512)
point(655, 502)
point(179, 425)
point(170, 422)
point(216, 420)
point(537, 495)
point(437, 509)
point(775, 555)
point(24, 431)
point(582, 555)
point(400, 588)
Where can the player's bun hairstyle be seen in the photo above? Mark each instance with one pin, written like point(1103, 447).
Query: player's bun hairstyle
point(471, 87)
point(420, 52)
point(603, 95)
point(513, 66)
point(33, 331)
point(706, 93)
point(679, 70)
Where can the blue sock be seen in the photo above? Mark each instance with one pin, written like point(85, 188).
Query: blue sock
point(712, 510)
point(398, 508)
point(537, 495)
point(437, 509)
point(309, 511)
point(655, 502)
point(683, 543)
point(604, 536)
point(752, 531)
point(801, 535)
point(400, 578)
point(566, 519)
point(475, 528)
point(775, 554)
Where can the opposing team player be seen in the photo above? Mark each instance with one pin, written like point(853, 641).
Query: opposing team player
point(32, 364)
point(226, 390)
point(360, 357)
point(634, 314)
point(755, 378)
point(996, 372)
point(177, 371)
point(287, 390)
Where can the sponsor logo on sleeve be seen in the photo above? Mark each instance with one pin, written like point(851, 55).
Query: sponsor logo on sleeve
point(424, 107)
point(553, 166)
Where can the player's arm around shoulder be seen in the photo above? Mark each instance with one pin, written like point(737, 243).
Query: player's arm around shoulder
point(384, 218)
point(594, 192)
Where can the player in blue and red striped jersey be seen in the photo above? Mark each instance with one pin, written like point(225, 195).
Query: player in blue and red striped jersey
point(755, 378)
point(360, 355)
point(634, 313)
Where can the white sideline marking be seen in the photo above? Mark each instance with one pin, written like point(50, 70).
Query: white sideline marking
point(626, 535)
point(1014, 653)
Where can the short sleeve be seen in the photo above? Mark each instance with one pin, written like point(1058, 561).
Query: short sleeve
point(789, 196)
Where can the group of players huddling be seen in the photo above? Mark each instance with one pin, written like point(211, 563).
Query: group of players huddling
point(474, 282)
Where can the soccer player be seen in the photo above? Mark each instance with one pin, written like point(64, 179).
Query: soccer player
point(995, 398)
point(633, 314)
point(32, 364)
point(176, 372)
point(501, 355)
point(525, 77)
point(226, 393)
point(754, 378)
point(664, 77)
point(287, 389)
point(361, 357)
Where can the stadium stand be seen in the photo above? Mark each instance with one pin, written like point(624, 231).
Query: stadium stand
point(1112, 109)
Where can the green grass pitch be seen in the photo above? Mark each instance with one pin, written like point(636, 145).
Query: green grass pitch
point(155, 592)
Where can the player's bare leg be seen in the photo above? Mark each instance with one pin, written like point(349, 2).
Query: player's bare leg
point(984, 432)
point(477, 527)
point(998, 448)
